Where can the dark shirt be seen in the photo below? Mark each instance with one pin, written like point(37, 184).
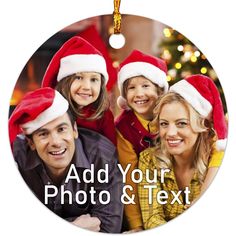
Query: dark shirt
point(91, 148)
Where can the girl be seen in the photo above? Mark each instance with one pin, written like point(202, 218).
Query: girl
point(78, 71)
point(141, 80)
point(187, 147)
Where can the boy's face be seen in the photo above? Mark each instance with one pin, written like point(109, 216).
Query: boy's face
point(142, 96)
point(85, 89)
point(55, 144)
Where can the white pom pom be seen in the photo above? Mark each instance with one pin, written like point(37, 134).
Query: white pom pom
point(221, 144)
point(122, 103)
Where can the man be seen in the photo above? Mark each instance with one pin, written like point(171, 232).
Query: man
point(73, 173)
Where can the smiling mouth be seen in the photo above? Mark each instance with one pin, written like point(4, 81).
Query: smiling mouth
point(58, 153)
point(174, 142)
point(140, 102)
point(84, 95)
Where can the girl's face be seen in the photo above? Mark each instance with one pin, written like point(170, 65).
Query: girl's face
point(142, 96)
point(85, 89)
point(176, 131)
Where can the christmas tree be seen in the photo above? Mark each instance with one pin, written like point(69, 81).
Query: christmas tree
point(184, 58)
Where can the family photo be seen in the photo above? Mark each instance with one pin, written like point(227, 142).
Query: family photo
point(118, 140)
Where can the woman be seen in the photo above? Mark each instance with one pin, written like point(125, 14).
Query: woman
point(186, 147)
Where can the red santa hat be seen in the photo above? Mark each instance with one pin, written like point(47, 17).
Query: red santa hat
point(75, 55)
point(36, 109)
point(201, 92)
point(140, 64)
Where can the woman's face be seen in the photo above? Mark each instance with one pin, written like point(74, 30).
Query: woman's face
point(176, 131)
point(142, 96)
point(85, 89)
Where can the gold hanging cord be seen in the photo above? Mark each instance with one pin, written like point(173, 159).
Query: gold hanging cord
point(117, 17)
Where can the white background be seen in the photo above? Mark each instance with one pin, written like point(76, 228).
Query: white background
point(25, 25)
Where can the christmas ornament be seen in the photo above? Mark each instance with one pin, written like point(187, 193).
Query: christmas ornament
point(116, 73)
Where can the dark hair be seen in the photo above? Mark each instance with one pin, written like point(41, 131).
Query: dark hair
point(71, 117)
point(99, 106)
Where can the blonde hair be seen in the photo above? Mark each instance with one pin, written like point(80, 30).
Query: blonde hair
point(99, 106)
point(204, 144)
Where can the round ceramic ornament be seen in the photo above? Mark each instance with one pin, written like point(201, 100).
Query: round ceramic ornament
point(118, 123)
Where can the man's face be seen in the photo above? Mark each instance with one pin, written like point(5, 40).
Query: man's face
point(55, 144)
